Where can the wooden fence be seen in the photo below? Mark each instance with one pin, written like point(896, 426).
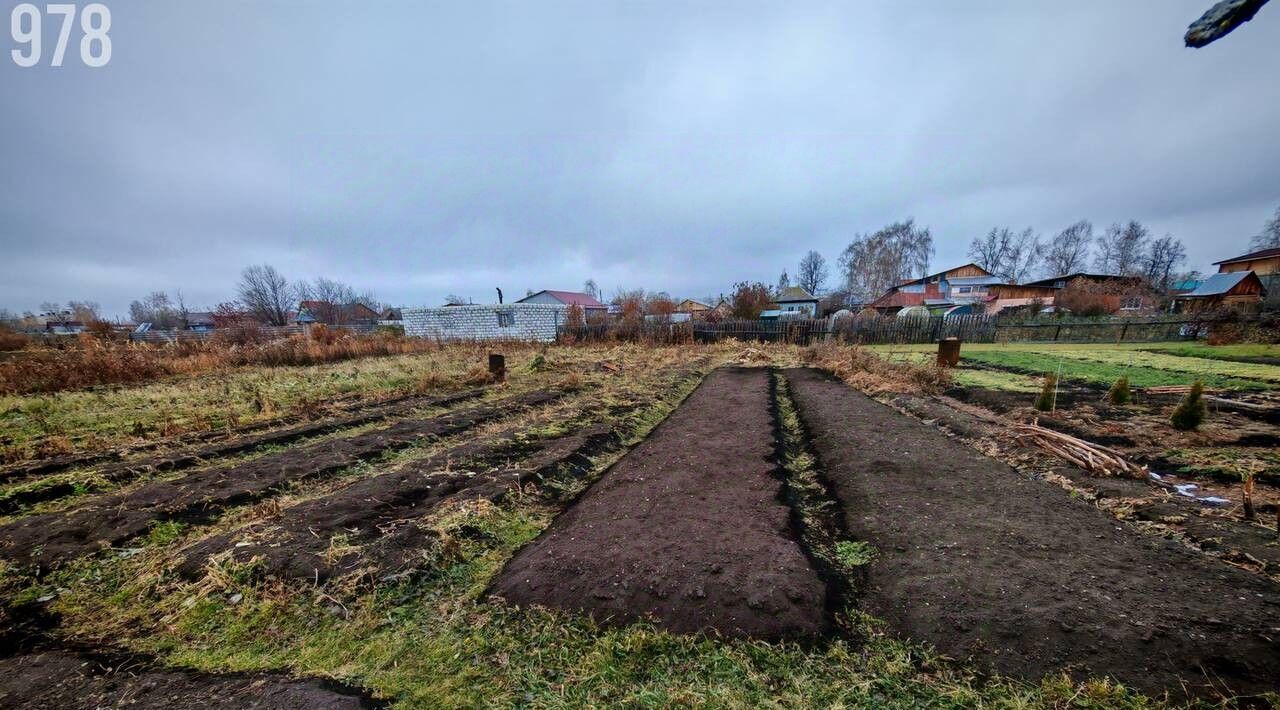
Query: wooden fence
point(881, 329)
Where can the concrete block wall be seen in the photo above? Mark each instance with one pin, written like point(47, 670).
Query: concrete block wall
point(526, 321)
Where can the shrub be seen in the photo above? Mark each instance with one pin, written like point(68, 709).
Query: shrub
point(1045, 402)
point(1119, 393)
point(1192, 411)
point(10, 340)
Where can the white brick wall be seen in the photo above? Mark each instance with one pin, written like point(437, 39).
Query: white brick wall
point(529, 321)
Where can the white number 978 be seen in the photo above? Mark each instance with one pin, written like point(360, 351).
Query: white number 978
point(95, 44)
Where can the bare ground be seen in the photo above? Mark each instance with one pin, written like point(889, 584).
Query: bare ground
point(687, 529)
point(988, 564)
point(52, 538)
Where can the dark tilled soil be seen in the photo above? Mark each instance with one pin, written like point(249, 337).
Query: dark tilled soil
point(686, 529)
point(62, 680)
point(377, 409)
point(1239, 540)
point(297, 542)
point(175, 461)
point(983, 562)
point(51, 538)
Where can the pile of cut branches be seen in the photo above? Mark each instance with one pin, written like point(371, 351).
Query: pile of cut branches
point(1086, 455)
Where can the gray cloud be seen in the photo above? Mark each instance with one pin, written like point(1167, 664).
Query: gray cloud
point(424, 150)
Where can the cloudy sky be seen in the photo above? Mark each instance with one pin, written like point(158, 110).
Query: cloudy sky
point(420, 149)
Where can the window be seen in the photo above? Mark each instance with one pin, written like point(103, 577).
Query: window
point(506, 319)
point(965, 289)
point(1131, 303)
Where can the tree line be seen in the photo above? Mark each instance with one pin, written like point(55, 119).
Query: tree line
point(262, 293)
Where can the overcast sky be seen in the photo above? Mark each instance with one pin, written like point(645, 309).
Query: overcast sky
point(420, 149)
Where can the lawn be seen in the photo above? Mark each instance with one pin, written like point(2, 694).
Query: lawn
point(1146, 365)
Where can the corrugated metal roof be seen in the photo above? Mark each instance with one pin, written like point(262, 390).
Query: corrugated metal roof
point(974, 280)
point(793, 294)
point(1218, 284)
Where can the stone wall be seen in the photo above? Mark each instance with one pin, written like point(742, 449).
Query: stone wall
point(511, 321)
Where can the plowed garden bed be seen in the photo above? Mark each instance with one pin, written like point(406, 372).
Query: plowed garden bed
point(687, 529)
point(987, 564)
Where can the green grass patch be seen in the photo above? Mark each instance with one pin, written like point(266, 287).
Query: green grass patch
point(1105, 373)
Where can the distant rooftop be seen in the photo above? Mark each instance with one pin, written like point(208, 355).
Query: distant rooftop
point(1260, 254)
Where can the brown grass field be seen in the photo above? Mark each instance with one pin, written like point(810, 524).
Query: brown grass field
point(374, 521)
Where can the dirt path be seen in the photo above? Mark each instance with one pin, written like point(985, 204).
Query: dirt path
point(687, 529)
point(377, 512)
point(62, 680)
point(983, 562)
point(52, 538)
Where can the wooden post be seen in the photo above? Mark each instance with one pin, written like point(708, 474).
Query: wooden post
point(497, 367)
point(948, 352)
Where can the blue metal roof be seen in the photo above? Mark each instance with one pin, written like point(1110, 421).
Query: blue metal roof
point(975, 280)
point(1218, 284)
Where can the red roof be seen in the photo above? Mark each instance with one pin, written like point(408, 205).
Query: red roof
point(1260, 254)
point(571, 298)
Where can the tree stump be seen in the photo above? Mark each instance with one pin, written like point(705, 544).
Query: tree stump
point(497, 367)
point(948, 352)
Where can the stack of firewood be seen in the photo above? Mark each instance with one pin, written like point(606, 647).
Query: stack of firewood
point(1086, 455)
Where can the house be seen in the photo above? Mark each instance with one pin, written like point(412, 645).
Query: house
point(795, 299)
point(692, 307)
point(587, 303)
point(1005, 297)
point(1230, 290)
point(538, 322)
point(200, 321)
point(64, 327)
point(334, 314)
point(1265, 264)
point(1064, 280)
point(723, 309)
point(960, 284)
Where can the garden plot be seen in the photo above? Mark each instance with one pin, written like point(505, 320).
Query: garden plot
point(51, 486)
point(51, 538)
point(687, 529)
point(73, 681)
point(985, 563)
point(369, 524)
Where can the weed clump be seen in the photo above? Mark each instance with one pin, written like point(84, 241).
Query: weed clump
point(1046, 400)
point(1192, 411)
point(1119, 393)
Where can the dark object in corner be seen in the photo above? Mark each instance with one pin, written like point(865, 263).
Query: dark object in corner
point(1218, 21)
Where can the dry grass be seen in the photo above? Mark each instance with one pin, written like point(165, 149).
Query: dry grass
point(872, 374)
point(96, 362)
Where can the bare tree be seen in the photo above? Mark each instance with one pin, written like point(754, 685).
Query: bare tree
point(590, 288)
point(266, 294)
point(1269, 237)
point(1218, 21)
point(327, 299)
point(157, 310)
point(874, 262)
point(1005, 253)
point(1121, 249)
point(1068, 252)
point(784, 282)
point(813, 273)
point(1162, 257)
point(84, 311)
point(455, 299)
